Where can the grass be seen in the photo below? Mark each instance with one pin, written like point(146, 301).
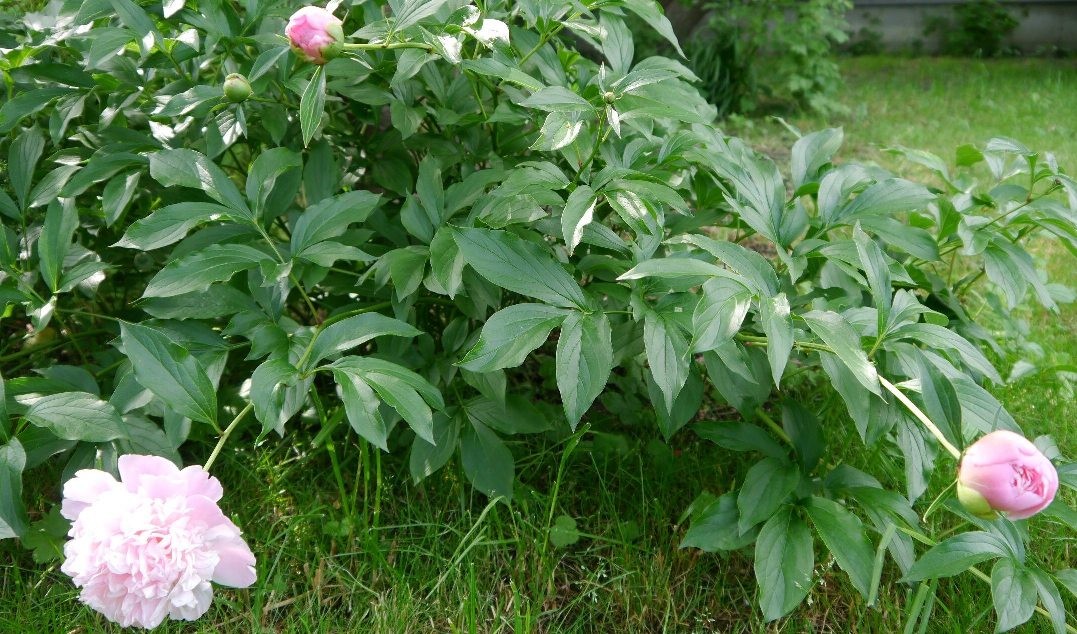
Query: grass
point(937, 104)
point(440, 558)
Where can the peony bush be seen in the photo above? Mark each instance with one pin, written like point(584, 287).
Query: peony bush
point(226, 220)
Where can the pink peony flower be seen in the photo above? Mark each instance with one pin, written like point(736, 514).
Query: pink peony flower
point(1004, 472)
point(148, 546)
point(315, 34)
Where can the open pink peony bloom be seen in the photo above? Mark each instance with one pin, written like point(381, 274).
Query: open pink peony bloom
point(148, 546)
point(315, 34)
point(1004, 472)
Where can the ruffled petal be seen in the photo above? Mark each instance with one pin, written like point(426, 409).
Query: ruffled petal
point(84, 489)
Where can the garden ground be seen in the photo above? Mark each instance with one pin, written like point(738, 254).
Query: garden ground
point(371, 552)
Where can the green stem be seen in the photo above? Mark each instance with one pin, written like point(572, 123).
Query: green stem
point(385, 46)
point(774, 427)
point(226, 433)
point(919, 414)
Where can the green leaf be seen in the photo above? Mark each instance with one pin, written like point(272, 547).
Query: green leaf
point(811, 152)
point(278, 393)
point(559, 130)
point(426, 458)
point(674, 268)
point(355, 331)
point(446, 263)
point(738, 436)
point(873, 261)
point(935, 337)
point(843, 534)
point(61, 220)
point(133, 17)
point(198, 270)
point(715, 527)
point(1011, 268)
point(77, 416)
point(1013, 592)
point(1050, 598)
point(956, 555)
point(845, 342)
point(721, 310)
point(413, 11)
point(117, 196)
point(652, 14)
point(47, 190)
point(919, 456)
point(767, 485)
point(25, 104)
point(145, 437)
point(502, 72)
point(557, 99)
point(265, 171)
point(667, 355)
point(757, 272)
point(579, 212)
point(783, 564)
point(312, 105)
point(170, 372)
point(170, 224)
point(940, 401)
point(517, 415)
point(361, 405)
point(885, 198)
point(519, 266)
point(330, 218)
point(22, 158)
point(510, 334)
point(488, 463)
point(188, 168)
point(13, 519)
point(774, 316)
point(584, 362)
point(617, 44)
point(102, 166)
point(564, 532)
point(406, 400)
point(740, 375)
point(805, 432)
point(266, 61)
point(405, 391)
point(1068, 577)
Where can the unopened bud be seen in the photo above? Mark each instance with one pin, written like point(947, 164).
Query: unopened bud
point(236, 88)
point(315, 34)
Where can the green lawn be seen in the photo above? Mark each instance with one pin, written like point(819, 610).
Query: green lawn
point(438, 558)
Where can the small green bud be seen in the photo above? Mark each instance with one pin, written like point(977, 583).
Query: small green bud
point(236, 88)
point(608, 96)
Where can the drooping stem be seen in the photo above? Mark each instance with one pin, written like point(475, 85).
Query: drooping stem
point(226, 433)
point(922, 417)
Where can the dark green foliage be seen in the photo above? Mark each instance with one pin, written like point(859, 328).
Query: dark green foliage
point(977, 28)
point(753, 55)
point(442, 245)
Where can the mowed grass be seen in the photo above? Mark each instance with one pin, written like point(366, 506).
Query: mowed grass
point(438, 557)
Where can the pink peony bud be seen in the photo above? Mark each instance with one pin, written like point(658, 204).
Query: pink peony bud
point(315, 34)
point(1005, 473)
point(148, 546)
